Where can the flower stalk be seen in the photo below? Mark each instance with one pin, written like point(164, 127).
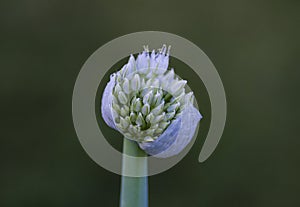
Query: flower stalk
point(134, 190)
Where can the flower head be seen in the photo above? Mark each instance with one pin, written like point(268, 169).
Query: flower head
point(147, 103)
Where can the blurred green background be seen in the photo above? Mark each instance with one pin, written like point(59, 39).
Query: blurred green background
point(253, 44)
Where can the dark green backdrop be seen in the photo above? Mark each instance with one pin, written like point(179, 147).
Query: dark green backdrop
point(253, 44)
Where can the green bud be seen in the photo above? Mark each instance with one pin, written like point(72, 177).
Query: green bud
point(132, 103)
point(119, 126)
point(173, 107)
point(148, 98)
point(150, 132)
point(149, 118)
point(157, 99)
point(115, 113)
point(157, 110)
point(123, 72)
point(123, 111)
point(136, 82)
point(158, 118)
point(154, 126)
point(122, 97)
point(116, 107)
point(119, 77)
point(117, 89)
point(132, 117)
point(146, 109)
point(140, 120)
point(179, 97)
point(137, 105)
point(134, 129)
point(126, 108)
point(167, 105)
point(124, 123)
point(126, 87)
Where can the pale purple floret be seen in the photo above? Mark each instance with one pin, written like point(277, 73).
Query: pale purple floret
point(158, 61)
point(163, 62)
point(130, 67)
point(142, 62)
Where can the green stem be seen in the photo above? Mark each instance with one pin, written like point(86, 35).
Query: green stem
point(134, 190)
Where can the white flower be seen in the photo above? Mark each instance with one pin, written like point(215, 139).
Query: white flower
point(147, 103)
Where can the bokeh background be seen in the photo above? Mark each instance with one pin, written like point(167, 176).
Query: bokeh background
point(253, 44)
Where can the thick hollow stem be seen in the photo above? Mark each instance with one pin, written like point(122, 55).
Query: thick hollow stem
point(134, 190)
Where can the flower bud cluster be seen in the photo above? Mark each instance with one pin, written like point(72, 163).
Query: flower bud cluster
point(147, 103)
point(147, 97)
